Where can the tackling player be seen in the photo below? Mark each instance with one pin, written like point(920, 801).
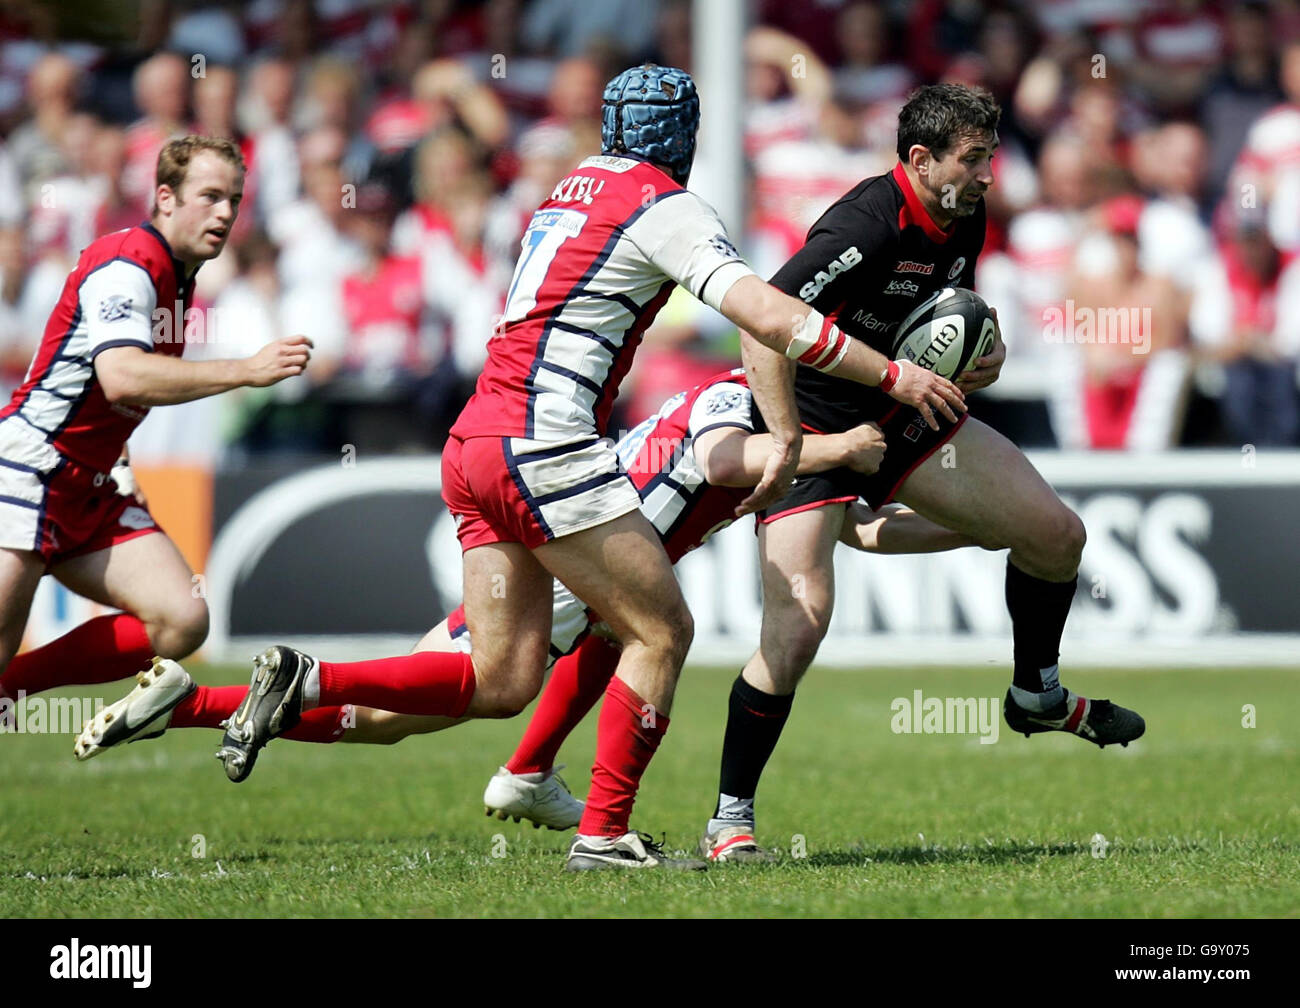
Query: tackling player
point(538, 494)
point(691, 464)
point(111, 350)
point(872, 257)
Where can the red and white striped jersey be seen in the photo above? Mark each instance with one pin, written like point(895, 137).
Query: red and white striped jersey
point(658, 455)
point(108, 300)
point(598, 261)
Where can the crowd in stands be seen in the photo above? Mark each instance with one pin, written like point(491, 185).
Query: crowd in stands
point(1143, 247)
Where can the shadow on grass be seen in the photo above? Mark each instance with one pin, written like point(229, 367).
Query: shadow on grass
point(983, 853)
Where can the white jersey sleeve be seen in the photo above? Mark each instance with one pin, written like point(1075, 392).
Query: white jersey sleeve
point(726, 404)
point(682, 236)
point(117, 303)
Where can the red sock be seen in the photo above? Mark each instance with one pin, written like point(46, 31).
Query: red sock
point(104, 649)
point(627, 736)
point(208, 706)
point(425, 683)
point(577, 682)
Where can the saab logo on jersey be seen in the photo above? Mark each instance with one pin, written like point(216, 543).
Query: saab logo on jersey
point(723, 402)
point(722, 245)
point(114, 308)
point(957, 267)
point(908, 266)
point(135, 518)
point(847, 260)
point(904, 287)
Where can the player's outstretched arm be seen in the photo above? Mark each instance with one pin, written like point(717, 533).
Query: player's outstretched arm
point(771, 379)
point(896, 529)
point(734, 457)
point(131, 376)
point(788, 326)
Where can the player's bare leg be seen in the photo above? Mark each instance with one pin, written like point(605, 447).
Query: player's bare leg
point(620, 568)
point(796, 563)
point(508, 609)
point(163, 620)
point(995, 496)
point(20, 573)
point(148, 579)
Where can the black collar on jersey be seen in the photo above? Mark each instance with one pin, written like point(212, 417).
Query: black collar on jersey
point(182, 281)
point(913, 211)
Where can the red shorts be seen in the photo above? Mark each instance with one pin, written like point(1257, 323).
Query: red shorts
point(502, 489)
point(69, 512)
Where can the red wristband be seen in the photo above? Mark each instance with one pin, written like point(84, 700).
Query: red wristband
point(891, 376)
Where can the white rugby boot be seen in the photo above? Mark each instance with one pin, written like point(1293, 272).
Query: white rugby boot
point(143, 713)
point(542, 798)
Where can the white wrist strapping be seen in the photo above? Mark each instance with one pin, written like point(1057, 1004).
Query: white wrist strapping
point(818, 342)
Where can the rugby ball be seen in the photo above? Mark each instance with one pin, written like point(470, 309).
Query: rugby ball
point(947, 332)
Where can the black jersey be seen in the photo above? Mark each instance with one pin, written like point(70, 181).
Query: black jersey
point(869, 260)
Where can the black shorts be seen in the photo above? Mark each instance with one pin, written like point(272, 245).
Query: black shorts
point(909, 441)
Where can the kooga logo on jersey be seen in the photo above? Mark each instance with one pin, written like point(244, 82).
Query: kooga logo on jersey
point(847, 259)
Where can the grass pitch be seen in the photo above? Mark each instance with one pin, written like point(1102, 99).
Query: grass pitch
point(1199, 818)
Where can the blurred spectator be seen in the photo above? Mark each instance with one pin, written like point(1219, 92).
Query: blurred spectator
point(1242, 90)
point(673, 34)
point(787, 87)
point(65, 211)
point(37, 145)
point(798, 179)
point(866, 76)
point(386, 348)
point(208, 28)
point(937, 32)
point(570, 27)
point(161, 86)
point(1242, 318)
point(1030, 279)
point(27, 296)
point(1125, 380)
point(315, 252)
point(265, 113)
point(1172, 238)
point(108, 161)
point(12, 204)
point(1178, 45)
point(1267, 173)
point(445, 167)
point(573, 102)
point(332, 101)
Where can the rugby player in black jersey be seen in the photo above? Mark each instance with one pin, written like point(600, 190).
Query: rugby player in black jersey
point(872, 257)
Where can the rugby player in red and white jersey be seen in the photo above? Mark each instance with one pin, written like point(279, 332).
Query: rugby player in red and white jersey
point(691, 464)
point(538, 494)
point(111, 350)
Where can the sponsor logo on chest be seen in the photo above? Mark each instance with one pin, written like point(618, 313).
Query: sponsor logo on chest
point(908, 266)
point(846, 260)
point(869, 321)
point(904, 287)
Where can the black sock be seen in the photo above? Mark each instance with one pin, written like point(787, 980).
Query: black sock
point(754, 723)
point(1038, 612)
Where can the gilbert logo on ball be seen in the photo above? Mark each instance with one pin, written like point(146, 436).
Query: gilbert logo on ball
point(947, 332)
